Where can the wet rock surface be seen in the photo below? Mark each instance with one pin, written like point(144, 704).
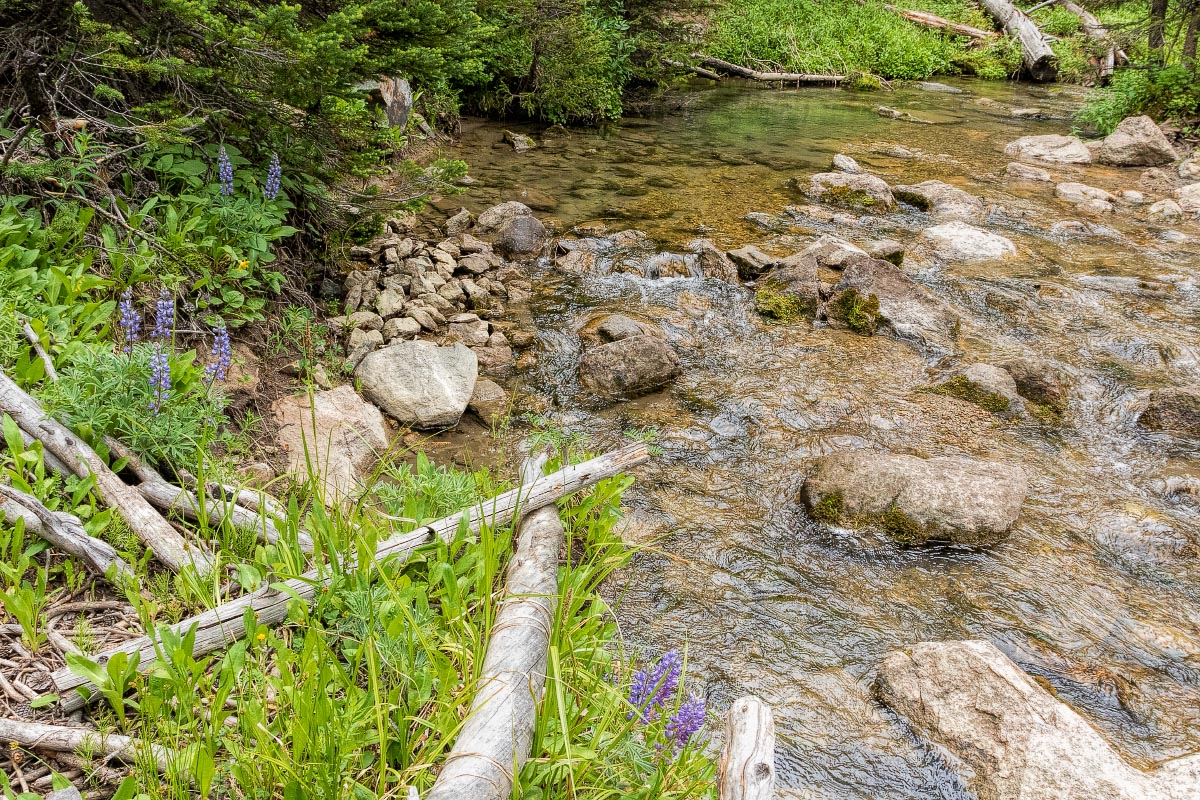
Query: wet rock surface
point(628, 367)
point(1050, 148)
point(1175, 410)
point(1136, 142)
point(857, 190)
point(908, 310)
point(958, 241)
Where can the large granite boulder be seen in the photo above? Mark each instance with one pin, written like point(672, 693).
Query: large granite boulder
point(418, 383)
point(1051, 148)
point(1174, 410)
point(494, 218)
point(958, 241)
point(860, 190)
point(1020, 741)
point(944, 201)
point(628, 367)
point(335, 436)
point(873, 288)
point(1136, 142)
point(915, 500)
point(521, 236)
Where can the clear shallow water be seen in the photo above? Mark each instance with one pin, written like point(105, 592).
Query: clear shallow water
point(1097, 589)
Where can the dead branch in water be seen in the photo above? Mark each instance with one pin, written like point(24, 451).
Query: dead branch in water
point(766, 77)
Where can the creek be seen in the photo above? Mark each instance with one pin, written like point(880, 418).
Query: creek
point(1097, 588)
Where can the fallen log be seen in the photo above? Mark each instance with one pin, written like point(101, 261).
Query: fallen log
point(65, 531)
point(221, 626)
point(497, 735)
point(927, 20)
point(60, 739)
point(693, 68)
point(747, 767)
point(163, 540)
point(1096, 31)
point(766, 77)
point(1040, 62)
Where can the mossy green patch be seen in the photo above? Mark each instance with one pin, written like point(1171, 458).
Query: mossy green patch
point(829, 508)
point(961, 387)
point(845, 196)
point(1045, 413)
point(902, 530)
point(779, 305)
point(861, 314)
point(862, 82)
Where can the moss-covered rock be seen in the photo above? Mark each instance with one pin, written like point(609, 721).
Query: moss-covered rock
point(961, 387)
point(775, 303)
point(859, 314)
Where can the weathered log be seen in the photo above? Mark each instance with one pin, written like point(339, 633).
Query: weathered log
point(747, 767)
point(1040, 62)
point(926, 20)
point(224, 625)
point(767, 77)
point(163, 540)
point(168, 497)
point(60, 739)
point(495, 739)
point(64, 531)
point(694, 69)
point(1096, 31)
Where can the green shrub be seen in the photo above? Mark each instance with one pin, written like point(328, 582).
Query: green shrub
point(1171, 92)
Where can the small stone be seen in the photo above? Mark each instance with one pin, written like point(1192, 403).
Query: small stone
point(367, 320)
point(862, 190)
point(522, 339)
point(471, 333)
point(389, 303)
point(1164, 211)
point(629, 367)
point(750, 261)
point(1189, 199)
point(402, 328)
point(1132, 197)
point(494, 360)
point(494, 218)
point(362, 341)
point(1080, 192)
point(489, 402)
point(257, 475)
point(887, 250)
point(459, 222)
point(844, 163)
point(519, 141)
point(958, 241)
point(1025, 172)
point(423, 317)
point(1095, 207)
point(1174, 410)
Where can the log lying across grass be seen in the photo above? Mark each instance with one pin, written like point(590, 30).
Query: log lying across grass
point(60, 739)
point(1096, 31)
point(496, 738)
point(926, 20)
point(167, 544)
point(221, 626)
point(747, 767)
point(767, 77)
point(1040, 62)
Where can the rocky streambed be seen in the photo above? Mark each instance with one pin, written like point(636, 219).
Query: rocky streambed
point(913, 379)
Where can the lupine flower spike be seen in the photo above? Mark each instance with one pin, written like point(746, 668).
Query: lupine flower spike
point(274, 174)
point(687, 721)
point(222, 357)
point(164, 317)
point(131, 322)
point(160, 379)
point(652, 688)
point(225, 172)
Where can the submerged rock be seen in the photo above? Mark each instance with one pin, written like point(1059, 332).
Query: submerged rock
point(1079, 192)
point(790, 290)
point(942, 200)
point(1051, 148)
point(418, 383)
point(861, 190)
point(614, 328)
point(1174, 410)
point(1136, 142)
point(958, 241)
point(628, 367)
point(1020, 742)
point(1038, 381)
point(334, 434)
point(521, 236)
point(909, 310)
point(844, 163)
point(985, 385)
point(519, 141)
point(915, 500)
point(1025, 172)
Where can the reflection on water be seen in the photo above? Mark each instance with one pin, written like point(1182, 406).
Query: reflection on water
point(1096, 589)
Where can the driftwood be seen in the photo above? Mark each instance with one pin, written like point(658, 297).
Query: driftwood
point(747, 767)
point(64, 531)
point(225, 624)
point(163, 540)
point(1040, 62)
point(693, 68)
point(767, 77)
point(926, 20)
point(1096, 31)
point(496, 737)
point(60, 739)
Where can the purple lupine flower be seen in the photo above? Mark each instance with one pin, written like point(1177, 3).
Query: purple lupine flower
point(160, 379)
point(687, 721)
point(164, 317)
point(652, 688)
point(274, 174)
point(131, 321)
point(225, 172)
point(222, 357)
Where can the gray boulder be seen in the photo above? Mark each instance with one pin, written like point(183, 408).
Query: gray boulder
point(628, 367)
point(958, 241)
point(1188, 198)
point(1051, 148)
point(418, 383)
point(844, 163)
point(904, 307)
point(1136, 142)
point(494, 218)
point(859, 190)
point(914, 500)
point(1079, 192)
point(1020, 742)
point(942, 200)
point(1025, 172)
point(334, 436)
point(1038, 381)
point(522, 236)
point(750, 261)
point(489, 402)
point(1173, 410)
point(1164, 211)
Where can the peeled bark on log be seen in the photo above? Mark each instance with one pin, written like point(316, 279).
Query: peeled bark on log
point(1040, 62)
point(768, 77)
point(747, 767)
point(64, 531)
point(224, 625)
point(60, 739)
point(926, 20)
point(1096, 31)
point(163, 540)
point(494, 741)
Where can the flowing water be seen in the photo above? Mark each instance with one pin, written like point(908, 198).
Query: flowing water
point(1096, 589)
